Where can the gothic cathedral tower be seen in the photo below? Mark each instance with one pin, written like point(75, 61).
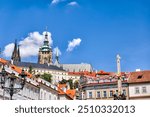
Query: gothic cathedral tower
point(45, 52)
point(16, 53)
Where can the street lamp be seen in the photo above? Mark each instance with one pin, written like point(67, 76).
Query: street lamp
point(10, 83)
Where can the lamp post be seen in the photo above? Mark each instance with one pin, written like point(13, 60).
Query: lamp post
point(10, 83)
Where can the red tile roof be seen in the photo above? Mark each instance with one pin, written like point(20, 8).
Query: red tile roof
point(19, 70)
point(82, 73)
point(13, 67)
point(101, 72)
point(62, 85)
point(139, 77)
point(70, 92)
point(3, 61)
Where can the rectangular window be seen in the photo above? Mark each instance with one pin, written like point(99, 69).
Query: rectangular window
point(98, 94)
point(111, 93)
point(105, 93)
point(144, 90)
point(137, 91)
point(90, 94)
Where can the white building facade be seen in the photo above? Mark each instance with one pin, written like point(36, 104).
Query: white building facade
point(34, 89)
point(139, 85)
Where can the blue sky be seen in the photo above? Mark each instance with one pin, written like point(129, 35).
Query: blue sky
point(106, 28)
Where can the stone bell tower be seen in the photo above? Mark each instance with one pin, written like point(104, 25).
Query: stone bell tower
point(45, 52)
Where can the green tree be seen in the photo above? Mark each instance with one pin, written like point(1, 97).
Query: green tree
point(76, 84)
point(47, 77)
point(63, 81)
point(70, 83)
point(30, 69)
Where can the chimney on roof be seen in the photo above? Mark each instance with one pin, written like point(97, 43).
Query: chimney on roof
point(137, 70)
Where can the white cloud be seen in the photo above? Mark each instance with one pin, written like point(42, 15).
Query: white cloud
point(8, 50)
point(74, 3)
point(83, 63)
point(57, 51)
point(57, 1)
point(72, 44)
point(29, 46)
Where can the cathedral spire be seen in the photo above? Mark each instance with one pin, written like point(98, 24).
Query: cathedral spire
point(15, 50)
point(19, 57)
point(16, 53)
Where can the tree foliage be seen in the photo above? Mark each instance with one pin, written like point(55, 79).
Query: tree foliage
point(47, 77)
point(63, 81)
point(76, 84)
point(30, 69)
point(70, 83)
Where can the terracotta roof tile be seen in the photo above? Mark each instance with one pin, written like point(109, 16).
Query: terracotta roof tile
point(15, 68)
point(139, 77)
point(71, 93)
point(3, 61)
point(62, 85)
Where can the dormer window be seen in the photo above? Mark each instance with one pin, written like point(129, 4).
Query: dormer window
point(140, 76)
